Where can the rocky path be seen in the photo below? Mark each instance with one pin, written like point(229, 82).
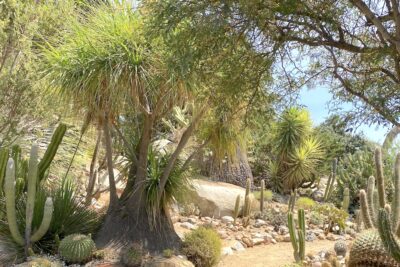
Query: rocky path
point(277, 255)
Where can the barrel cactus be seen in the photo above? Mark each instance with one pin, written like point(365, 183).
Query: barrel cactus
point(77, 248)
point(340, 248)
point(368, 250)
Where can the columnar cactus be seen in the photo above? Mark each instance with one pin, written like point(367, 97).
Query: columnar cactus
point(262, 195)
point(331, 181)
point(9, 190)
point(247, 199)
point(237, 207)
point(77, 248)
point(292, 200)
point(388, 228)
point(346, 200)
point(51, 151)
point(298, 242)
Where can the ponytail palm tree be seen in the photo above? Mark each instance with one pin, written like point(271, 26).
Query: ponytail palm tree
point(105, 64)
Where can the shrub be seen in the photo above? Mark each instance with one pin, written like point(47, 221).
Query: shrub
point(316, 218)
point(267, 195)
point(332, 215)
point(203, 247)
point(305, 203)
point(133, 256)
point(275, 218)
point(168, 253)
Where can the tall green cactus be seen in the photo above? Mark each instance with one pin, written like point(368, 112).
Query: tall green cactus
point(298, 242)
point(247, 199)
point(9, 190)
point(346, 200)
point(262, 196)
point(51, 151)
point(389, 228)
point(236, 210)
point(331, 181)
point(292, 200)
point(387, 235)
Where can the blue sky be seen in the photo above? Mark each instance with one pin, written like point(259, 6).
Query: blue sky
point(316, 100)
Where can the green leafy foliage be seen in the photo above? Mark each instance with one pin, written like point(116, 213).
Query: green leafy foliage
point(332, 215)
point(268, 195)
point(305, 203)
point(296, 150)
point(202, 247)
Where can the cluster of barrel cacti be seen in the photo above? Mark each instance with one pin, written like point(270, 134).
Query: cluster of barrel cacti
point(77, 248)
point(376, 213)
point(297, 239)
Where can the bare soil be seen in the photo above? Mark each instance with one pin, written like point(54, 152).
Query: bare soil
point(276, 255)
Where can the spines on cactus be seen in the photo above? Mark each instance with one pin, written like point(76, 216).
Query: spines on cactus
point(262, 195)
point(4, 154)
point(387, 235)
point(10, 192)
point(51, 151)
point(292, 200)
point(298, 241)
point(379, 177)
point(396, 199)
point(346, 199)
point(371, 198)
point(77, 248)
point(365, 211)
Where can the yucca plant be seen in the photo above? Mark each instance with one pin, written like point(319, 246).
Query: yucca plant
point(297, 151)
point(177, 186)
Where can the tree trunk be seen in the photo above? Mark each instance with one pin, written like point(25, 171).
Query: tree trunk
point(130, 223)
point(231, 172)
point(92, 173)
point(109, 156)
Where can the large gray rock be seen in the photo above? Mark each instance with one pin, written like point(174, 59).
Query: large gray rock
point(217, 199)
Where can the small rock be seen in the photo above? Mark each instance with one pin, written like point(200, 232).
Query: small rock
point(283, 230)
point(286, 238)
point(192, 220)
point(222, 234)
point(258, 241)
point(316, 264)
point(248, 242)
point(273, 241)
point(238, 246)
point(259, 223)
point(188, 225)
point(310, 236)
point(227, 219)
point(330, 237)
point(227, 251)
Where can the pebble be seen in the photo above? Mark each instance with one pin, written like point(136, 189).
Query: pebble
point(227, 251)
point(188, 225)
point(238, 246)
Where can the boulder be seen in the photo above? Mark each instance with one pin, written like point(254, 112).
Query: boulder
point(217, 199)
point(175, 261)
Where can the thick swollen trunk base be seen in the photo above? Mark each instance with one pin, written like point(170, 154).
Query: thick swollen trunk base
point(121, 228)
